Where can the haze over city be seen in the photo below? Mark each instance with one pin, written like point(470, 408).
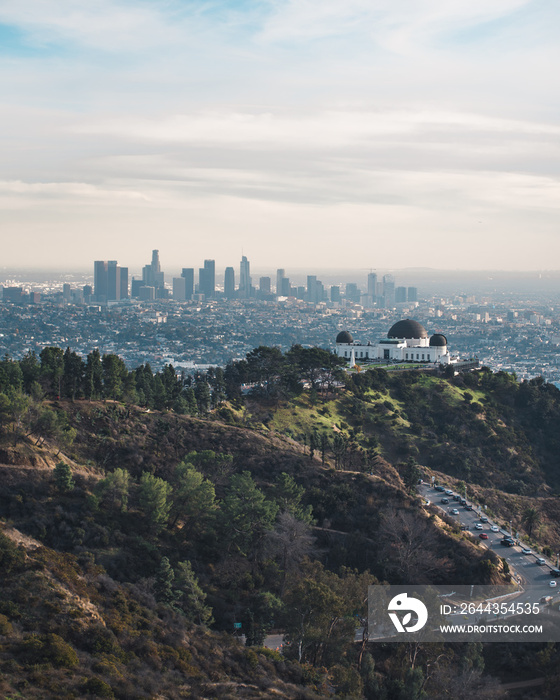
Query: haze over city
point(310, 134)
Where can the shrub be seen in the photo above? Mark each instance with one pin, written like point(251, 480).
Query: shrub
point(97, 687)
point(48, 649)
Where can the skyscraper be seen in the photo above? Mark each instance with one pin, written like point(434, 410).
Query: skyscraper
point(188, 274)
point(311, 289)
point(229, 283)
point(264, 285)
point(280, 275)
point(113, 281)
point(400, 295)
point(372, 288)
point(207, 279)
point(179, 286)
point(100, 280)
point(124, 283)
point(152, 276)
point(388, 291)
point(244, 278)
point(412, 294)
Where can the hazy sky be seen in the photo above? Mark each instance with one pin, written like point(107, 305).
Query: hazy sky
point(320, 133)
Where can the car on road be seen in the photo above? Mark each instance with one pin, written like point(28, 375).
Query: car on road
point(448, 492)
point(526, 550)
point(454, 511)
point(483, 519)
point(445, 500)
point(495, 528)
point(507, 542)
point(555, 572)
point(553, 584)
point(463, 502)
point(464, 527)
point(541, 561)
point(440, 488)
point(456, 497)
point(468, 507)
point(483, 536)
point(478, 526)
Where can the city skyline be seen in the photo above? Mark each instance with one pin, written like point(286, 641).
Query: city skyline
point(313, 134)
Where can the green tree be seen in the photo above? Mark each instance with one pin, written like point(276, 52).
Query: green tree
point(73, 377)
point(63, 477)
point(52, 369)
point(193, 498)
point(93, 381)
point(113, 490)
point(114, 375)
point(288, 495)
point(190, 598)
point(163, 584)
point(531, 518)
point(247, 515)
point(155, 499)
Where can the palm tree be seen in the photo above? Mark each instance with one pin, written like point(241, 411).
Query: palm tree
point(531, 517)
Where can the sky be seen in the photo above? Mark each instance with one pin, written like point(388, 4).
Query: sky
point(300, 133)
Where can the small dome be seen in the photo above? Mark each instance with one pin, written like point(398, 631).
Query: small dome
point(344, 337)
point(438, 340)
point(408, 329)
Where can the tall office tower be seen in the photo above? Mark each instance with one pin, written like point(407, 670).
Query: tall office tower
point(335, 294)
point(135, 287)
point(319, 292)
point(280, 276)
point(152, 276)
point(88, 292)
point(113, 281)
point(244, 278)
point(286, 287)
point(124, 282)
point(66, 292)
point(207, 281)
point(352, 292)
point(100, 280)
point(372, 288)
point(265, 285)
point(388, 291)
point(412, 294)
point(188, 274)
point(311, 289)
point(229, 283)
point(400, 295)
point(179, 288)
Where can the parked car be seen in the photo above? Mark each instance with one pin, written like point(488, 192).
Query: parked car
point(555, 573)
point(464, 527)
point(440, 488)
point(478, 526)
point(445, 500)
point(456, 497)
point(448, 492)
point(540, 561)
point(507, 543)
point(454, 511)
point(526, 550)
point(463, 502)
point(495, 528)
point(552, 584)
point(483, 519)
point(468, 507)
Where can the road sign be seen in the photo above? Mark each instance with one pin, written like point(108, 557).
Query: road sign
point(237, 625)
